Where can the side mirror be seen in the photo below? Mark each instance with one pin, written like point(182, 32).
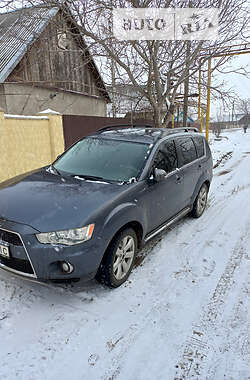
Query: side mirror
point(159, 174)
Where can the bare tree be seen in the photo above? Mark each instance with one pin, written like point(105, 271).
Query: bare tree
point(243, 106)
point(156, 69)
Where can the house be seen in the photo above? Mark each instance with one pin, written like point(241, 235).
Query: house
point(179, 118)
point(125, 97)
point(245, 120)
point(45, 63)
point(228, 121)
point(127, 101)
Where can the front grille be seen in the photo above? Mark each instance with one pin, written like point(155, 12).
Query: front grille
point(17, 264)
point(10, 237)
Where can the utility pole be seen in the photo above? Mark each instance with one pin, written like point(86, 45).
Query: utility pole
point(199, 99)
point(113, 88)
point(186, 84)
point(131, 113)
point(208, 97)
point(233, 113)
point(112, 67)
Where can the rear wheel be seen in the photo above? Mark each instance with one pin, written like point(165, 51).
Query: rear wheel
point(200, 202)
point(119, 259)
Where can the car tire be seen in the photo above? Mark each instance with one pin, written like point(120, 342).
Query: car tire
point(200, 202)
point(119, 259)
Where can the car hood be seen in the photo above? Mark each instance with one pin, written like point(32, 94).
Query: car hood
point(49, 202)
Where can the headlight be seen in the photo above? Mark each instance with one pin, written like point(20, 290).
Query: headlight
point(67, 237)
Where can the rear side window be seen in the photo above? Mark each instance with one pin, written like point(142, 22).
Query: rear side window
point(199, 144)
point(186, 150)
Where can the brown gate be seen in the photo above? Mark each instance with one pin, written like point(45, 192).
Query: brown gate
point(75, 127)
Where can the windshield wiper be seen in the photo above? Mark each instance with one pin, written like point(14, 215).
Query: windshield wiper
point(90, 177)
point(54, 169)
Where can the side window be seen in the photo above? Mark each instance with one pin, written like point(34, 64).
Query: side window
point(166, 157)
point(171, 155)
point(187, 150)
point(199, 144)
point(160, 161)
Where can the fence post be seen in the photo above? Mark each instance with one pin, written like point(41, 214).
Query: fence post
point(1, 114)
point(55, 126)
point(2, 144)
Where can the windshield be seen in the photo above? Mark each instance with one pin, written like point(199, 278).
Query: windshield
point(105, 159)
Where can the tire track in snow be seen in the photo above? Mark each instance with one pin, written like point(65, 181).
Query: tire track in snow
point(130, 337)
point(197, 350)
point(198, 341)
point(223, 159)
point(213, 199)
point(235, 329)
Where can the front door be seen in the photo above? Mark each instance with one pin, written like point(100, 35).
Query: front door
point(164, 199)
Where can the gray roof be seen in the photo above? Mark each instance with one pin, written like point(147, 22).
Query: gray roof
point(245, 119)
point(18, 30)
point(227, 118)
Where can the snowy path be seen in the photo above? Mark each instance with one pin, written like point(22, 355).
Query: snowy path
point(184, 314)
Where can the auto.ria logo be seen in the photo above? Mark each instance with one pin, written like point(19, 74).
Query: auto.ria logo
point(165, 23)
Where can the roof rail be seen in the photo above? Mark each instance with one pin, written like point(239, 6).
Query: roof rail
point(114, 127)
point(183, 129)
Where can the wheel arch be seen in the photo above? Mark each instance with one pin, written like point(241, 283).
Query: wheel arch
point(198, 187)
point(136, 226)
point(207, 182)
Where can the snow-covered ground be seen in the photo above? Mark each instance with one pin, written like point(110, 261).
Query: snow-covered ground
point(184, 313)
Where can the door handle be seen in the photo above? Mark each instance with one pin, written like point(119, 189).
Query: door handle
point(178, 178)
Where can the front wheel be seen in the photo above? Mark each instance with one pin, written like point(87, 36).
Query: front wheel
point(119, 259)
point(200, 202)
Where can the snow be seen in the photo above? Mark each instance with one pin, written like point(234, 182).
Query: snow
point(183, 314)
point(9, 116)
point(48, 111)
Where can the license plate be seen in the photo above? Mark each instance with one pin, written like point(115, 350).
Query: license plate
point(4, 251)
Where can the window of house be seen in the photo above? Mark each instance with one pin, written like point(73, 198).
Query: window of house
point(187, 150)
point(62, 41)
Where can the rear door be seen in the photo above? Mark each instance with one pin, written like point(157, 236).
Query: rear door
point(189, 165)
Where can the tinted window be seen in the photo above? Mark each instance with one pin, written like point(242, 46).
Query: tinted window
point(166, 158)
point(199, 144)
point(187, 150)
point(160, 161)
point(110, 159)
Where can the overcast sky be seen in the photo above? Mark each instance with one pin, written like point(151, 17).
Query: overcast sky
point(240, 84)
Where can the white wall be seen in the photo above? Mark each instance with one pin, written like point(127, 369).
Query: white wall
point(28, 100)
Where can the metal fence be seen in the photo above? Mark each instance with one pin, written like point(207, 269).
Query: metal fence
point(75, 127)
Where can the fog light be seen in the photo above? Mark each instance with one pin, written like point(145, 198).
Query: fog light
point(67, 267)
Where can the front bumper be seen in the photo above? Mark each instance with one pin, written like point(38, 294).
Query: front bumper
point(42, 262)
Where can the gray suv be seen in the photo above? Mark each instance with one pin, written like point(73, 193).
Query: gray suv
point(88, 213)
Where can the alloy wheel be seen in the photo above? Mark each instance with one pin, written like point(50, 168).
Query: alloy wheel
point(124, 256)
point(202, 200)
